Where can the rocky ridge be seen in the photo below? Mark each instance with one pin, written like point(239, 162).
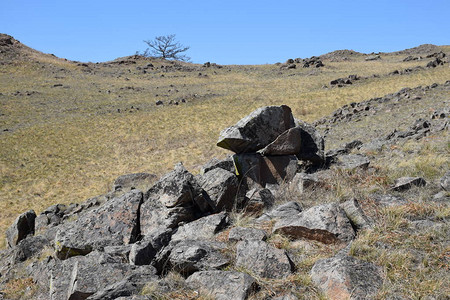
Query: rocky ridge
point(114, 245)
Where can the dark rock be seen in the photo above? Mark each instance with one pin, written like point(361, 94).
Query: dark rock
point(21, 228)
point(344, 149)
point(159, 102)
point(189, 256)
point(29, 247)
point(259, 170)
point(313, 144)
point(243, 233)
point(114, 223)
point(345, 277)
point(325, 223)
point(202, 229)
point(226, 164)
point(286, 210)
point(405, 183)
point(175, 198)
point(222, 188)
point(223, 285)
point(257, 130)
point(445, 181)
point(141, 181)
point(287, 143)
point(257, 200)
point(52, 216)
point(290, 61)
point(143, 251)
point(373, 57)
point(263, 260)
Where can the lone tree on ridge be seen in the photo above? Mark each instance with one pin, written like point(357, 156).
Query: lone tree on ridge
point(166, 47)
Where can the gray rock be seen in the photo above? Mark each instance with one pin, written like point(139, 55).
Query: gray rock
point(353, 161)
point(237, 234)
point(143, 251)
point(187, 257)
point(257, 130)
point(345, 277)
point(29, 247)
point(202, 229)
point(53, 216)
point(263, 260)
point(325, 223)
point(114, 223)
point(287, 143)
point(312, 143)
point(223, 285)
point(286, 210)
point(405, 183)
point(388, 200)
point(302, 181)
point(445, 181)
point(260, 171)
point(344, 149)
point(288, 296)
point(21, 228)
point(442, 196)
point(257, 200)
point(222, 188)
point(355, 214)
point(175, 198)
point(226, 164)
point(141, 181)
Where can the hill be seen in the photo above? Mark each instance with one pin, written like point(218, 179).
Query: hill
point(68, 129)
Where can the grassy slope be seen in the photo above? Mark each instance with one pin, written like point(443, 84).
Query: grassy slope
point(68, 143)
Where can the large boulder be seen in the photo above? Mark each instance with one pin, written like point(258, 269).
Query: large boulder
point(21, 228)
point(259, 170)
point(223, 285)
point(143, 251)
point(344, 277)
point(263, 260)
point(175, 198)
point(202, 229)
point(325, 223)
point(257, 130)
point(312, 143)
point(114, 223)
point(287, 143)
point(222, 187)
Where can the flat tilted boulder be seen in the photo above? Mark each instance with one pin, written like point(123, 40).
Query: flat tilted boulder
point(257, 130)
point(353, 161)
point(259, 170)
point(263, 260)
point(114, 223)
point(345, 277)
point(325, 223)
point(223, 285)
point(21, 228)
point(222, 187)
point(405, 183)
point(202, 229)
point(287, 143)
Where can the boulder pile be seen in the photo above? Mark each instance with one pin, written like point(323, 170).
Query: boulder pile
point(112, 246)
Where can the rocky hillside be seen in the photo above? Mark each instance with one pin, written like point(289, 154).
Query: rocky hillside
point(280, 219)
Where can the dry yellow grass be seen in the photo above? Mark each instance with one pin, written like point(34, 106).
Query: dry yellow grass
point(68, 144)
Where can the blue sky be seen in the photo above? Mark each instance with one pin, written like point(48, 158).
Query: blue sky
point(225, 32)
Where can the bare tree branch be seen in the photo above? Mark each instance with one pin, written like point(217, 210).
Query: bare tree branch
point(166, 47)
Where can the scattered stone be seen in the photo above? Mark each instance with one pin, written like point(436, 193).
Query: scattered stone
point(345, 277)
point(302, 181)
point(388, 200)
point(223, 285)
point(21, 228)
point(373, 57)
point(355, 214)
point(159, 102)
point(263, 260)
point(405, 183)
point(243, 233)
point(353, 161)
point(257, 130)
point(325, 223)
point(445, 181)
point(257, 200)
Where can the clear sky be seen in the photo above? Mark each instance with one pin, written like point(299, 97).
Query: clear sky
point(225, 31)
